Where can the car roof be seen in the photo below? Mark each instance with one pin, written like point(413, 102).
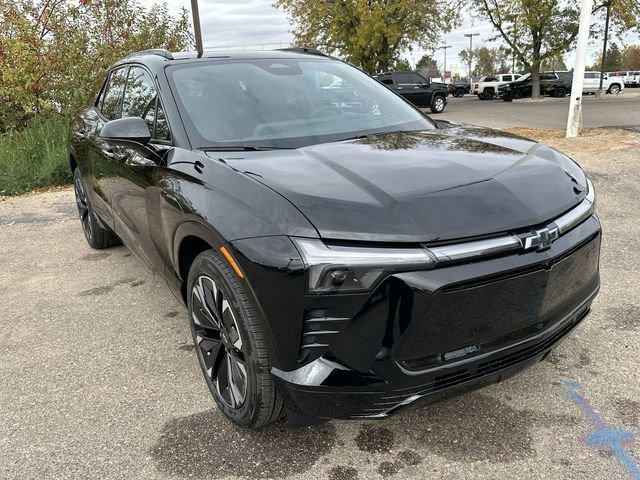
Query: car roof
point(158, 58)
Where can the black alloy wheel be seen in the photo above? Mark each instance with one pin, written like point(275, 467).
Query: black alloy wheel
point(218, 342)
point(230, 343)
point(97, 235)
point(560, 92)
point(83, 206)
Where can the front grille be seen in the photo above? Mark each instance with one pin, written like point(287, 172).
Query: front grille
point(317, 332)
point(393, 400)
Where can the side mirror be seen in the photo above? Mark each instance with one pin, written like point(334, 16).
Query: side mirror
point(125, 130)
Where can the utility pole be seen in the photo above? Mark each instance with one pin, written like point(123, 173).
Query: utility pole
point(444, 72)
point(604, 46)
point(574, 121)
point(196, 26)
point(470, 35)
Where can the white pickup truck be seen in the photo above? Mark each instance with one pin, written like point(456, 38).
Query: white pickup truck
point(487, 87)
point(610, 84)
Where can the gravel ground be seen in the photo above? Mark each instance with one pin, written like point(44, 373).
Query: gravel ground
point(99, 379)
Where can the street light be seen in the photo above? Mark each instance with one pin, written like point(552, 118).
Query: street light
point(444, 73)
point(470, 35)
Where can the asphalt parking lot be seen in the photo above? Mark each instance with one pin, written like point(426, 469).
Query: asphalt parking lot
point(99, 379)
point(612, 110)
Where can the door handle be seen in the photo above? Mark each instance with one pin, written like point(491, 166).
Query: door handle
point(108, 152)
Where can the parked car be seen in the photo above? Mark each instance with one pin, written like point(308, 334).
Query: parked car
point(338, 252)
point(556, 84)
point(487, 87)
point(630, 78)
point(420, 91)
point(458, 89)
point(591, 83)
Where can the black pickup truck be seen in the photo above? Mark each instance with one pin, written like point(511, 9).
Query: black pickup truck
point(419, 90)
point(555, 84)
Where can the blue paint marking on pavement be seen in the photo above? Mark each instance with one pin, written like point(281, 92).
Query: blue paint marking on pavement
point(604, 437)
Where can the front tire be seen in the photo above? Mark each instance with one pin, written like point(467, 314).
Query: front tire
point(458, 92)
point(488, 94)
point(97, 235)
point(437, 104)
point(230, 344)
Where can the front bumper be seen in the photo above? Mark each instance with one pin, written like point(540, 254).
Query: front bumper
point(425, 336)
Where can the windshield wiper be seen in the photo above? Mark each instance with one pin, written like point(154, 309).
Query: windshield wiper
point(242, 148)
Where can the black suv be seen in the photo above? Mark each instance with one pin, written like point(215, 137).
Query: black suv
point(555, 84)
point(339, 253)
point(420, 91)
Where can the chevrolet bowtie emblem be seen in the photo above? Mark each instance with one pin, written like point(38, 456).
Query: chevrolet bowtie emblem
point(540, 239)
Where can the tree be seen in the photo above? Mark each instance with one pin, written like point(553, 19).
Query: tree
point(369, 33)
point(428, 67)
point(488, 61)
point(554, 63)
point(630, 58)
point(53, 52)
point(613, 59)
point(535, 30)
point(402, 64)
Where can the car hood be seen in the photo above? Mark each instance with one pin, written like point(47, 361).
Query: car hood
point(443, 184)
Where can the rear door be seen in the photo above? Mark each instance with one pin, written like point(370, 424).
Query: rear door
point(413, 87)
point(99, 153)
point(591, 82)
point(134, 194)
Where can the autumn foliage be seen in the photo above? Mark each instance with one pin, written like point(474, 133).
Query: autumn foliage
point(53, 52)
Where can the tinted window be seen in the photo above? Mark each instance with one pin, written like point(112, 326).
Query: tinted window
point(141, 100)
point(113, 97)
point(408, 79)
point(490, 79)
point(548, 76)
point(507, 78)
point(386, 79)
point(285, 102)
point(139, 95)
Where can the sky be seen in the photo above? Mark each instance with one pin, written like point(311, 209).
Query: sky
point(257, 24)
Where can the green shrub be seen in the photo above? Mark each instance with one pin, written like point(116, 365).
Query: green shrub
point(35, 157)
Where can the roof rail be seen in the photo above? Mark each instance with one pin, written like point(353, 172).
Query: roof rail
point(310, 51)
point(153, 51)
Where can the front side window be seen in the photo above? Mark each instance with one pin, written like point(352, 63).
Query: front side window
point(112, 103)
point(141, 100)
point(285, 103)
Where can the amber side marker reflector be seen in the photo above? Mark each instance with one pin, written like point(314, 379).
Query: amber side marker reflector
point(232, 262)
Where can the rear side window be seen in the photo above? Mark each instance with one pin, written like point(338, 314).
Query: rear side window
point(506, 78)
point(408, 79)
point(386, 79)
point(141, 100)
point(112, 103)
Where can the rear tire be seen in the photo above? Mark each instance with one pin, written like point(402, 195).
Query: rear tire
point(614, 89)
point(246, 393)
point(560, 92)
point(488, 94)
point(97, 235)
point(458, 92)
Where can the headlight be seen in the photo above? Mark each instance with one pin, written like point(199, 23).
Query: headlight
point(342, 268)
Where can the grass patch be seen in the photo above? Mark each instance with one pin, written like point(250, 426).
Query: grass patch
point(35, 157)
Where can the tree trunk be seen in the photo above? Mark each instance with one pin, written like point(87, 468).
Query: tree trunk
point(535, 79)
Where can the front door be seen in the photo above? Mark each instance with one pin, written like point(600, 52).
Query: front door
point(134, 195)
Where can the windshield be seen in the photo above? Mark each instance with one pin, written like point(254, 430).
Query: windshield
point(285, 103)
